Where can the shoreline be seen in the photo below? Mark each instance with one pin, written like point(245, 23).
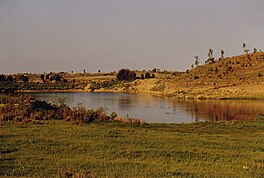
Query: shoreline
point(172, 96)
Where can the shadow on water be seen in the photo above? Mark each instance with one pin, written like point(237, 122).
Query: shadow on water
point(159, 109)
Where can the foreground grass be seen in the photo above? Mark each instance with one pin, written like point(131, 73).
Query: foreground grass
point(114, 149)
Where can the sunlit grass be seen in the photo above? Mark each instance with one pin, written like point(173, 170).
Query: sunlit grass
point(56, 148)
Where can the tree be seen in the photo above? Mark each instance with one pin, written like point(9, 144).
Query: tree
point(255, 50)
point(84, 71)
point(126, 74)
point(210, 57)
point(245, 48)
point(222, 54)
point(47, 76)
point(211, 53)
point(196, 62)
point(56, 77)
point(42, 77)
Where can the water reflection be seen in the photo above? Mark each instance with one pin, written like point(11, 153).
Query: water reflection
point(217, 110)
point(159, 109)
point(126, 102)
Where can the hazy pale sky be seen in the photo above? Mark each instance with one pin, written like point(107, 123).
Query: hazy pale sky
point(65, 35)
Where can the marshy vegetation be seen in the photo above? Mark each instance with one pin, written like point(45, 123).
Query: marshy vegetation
point(23, 109)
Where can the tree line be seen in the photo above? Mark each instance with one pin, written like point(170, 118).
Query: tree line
point(211, 58)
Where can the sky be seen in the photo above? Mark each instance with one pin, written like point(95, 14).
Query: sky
point(71, 35)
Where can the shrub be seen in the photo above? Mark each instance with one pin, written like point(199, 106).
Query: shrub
point(56, 78)
point(147, 75)
point(9, 78)
point(160, 88)
point(113, 115)
point(42, 105)
point(142, 76)
point(42, 77)
point(104, 84)
point(196, 77)
point(23, 78)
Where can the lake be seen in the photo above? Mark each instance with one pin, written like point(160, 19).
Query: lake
point(159, 109)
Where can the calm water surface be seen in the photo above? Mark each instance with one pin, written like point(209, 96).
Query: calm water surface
point(159, 109)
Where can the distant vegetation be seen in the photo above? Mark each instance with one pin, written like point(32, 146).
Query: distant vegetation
point(64, 81)
point(36, 82)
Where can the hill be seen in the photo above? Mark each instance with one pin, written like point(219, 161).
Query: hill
point(232, 77)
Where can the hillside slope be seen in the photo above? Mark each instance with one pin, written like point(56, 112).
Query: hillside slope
point(232, 77)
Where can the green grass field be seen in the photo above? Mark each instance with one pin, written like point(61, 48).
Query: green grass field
point(58, 148)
